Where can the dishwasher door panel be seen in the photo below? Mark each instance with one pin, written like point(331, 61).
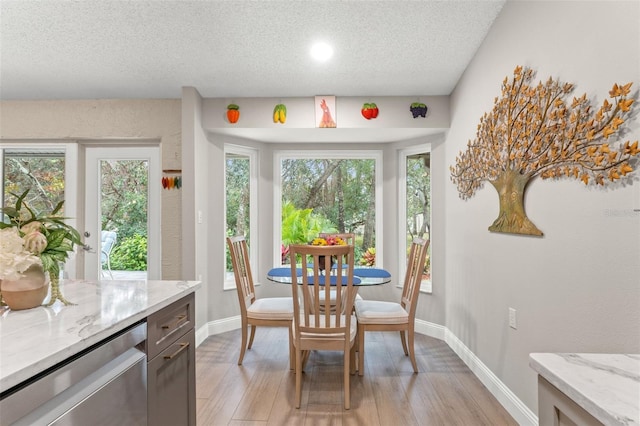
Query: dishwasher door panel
point(105, 385)
point(121, 401)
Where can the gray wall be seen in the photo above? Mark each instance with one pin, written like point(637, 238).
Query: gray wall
point(577, 289)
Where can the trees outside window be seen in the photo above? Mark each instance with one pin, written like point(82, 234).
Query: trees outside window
point(42, 171)
point(415, 206)
point(332, 193)
point(241, 195)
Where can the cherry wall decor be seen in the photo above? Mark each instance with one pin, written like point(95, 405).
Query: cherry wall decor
point(535, 130)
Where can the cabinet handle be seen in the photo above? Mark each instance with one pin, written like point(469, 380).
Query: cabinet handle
point(179, 319)
point(182, 347)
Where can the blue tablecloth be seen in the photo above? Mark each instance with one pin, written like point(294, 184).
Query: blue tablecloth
point(362, 276)
point(282, 272)
point(371, 273)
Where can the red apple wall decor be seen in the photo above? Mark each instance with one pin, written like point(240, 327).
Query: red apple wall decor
point(369, 111)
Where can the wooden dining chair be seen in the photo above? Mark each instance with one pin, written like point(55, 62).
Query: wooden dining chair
point(376, 315)
point(268, 311)
point(315, 325)
point(350, 239)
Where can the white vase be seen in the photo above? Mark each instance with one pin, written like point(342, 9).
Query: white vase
point(26, 292)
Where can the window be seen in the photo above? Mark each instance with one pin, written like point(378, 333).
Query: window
point(241, 182)
point(415, 204)
point(41, 171)
point(48, 169)
point(329, 191)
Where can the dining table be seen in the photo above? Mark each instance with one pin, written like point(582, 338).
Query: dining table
point(362, 276)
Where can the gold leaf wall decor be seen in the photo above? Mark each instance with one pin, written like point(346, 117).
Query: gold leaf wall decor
point(536, 130)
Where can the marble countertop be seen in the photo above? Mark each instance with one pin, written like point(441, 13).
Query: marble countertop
point(33, 340)
point(607, 386)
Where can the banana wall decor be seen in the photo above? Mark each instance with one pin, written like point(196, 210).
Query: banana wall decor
point(280, 113)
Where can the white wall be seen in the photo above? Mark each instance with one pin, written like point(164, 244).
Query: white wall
point(576, 289)
point(95, 120)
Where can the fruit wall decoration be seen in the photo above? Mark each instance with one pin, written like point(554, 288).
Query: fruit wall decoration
point(280, 113)
point(174, 181)
point(534, 130)
point(233, 113)
point(418, 109)
point(369, 111)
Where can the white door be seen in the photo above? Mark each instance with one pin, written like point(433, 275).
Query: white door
point(122, 195)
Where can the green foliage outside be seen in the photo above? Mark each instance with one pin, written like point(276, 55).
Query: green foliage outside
point(124, 199)
point(130, 254)
point(43, 176)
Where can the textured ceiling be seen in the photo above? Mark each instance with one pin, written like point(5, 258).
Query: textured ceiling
point(150, 49)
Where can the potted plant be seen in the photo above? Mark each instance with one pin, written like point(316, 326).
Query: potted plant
point(46, 241)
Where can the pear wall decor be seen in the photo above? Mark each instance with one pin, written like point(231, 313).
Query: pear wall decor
point(535, 130)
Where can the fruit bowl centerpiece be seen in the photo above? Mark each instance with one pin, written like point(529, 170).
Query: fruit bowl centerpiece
point(327, 241)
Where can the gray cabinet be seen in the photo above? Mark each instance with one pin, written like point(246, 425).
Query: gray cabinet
point(171, 377)
point(557, 409)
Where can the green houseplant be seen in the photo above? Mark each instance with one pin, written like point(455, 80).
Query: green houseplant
point(46, 237)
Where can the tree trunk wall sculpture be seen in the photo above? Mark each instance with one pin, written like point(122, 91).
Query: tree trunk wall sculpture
point(534, 130)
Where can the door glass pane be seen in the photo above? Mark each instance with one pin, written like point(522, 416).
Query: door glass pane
point(123, 216)
point(41, 171)
point(418, 206)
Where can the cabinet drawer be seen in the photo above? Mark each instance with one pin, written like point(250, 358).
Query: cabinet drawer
point(171, 379)
point(168, 324)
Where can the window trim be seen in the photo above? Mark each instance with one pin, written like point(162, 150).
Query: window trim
point(372, 154)
point(426, 287)
point(229, 282)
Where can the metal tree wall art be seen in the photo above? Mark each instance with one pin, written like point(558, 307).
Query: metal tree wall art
point(535, 131)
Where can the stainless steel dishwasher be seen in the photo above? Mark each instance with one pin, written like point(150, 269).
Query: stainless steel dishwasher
point(104, 385)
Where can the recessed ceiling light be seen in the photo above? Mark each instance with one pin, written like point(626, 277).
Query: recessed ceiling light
point(321, 51)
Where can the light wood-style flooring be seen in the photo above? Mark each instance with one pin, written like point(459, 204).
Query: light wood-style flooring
point(262, 390)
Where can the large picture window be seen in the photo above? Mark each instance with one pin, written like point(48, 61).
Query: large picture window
point(241, 200)
point(329, 192)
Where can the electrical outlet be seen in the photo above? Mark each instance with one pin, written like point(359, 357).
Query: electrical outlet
point(512, 319)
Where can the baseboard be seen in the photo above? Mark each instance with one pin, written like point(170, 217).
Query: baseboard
point(518, 410)
point(216, 327)
point(430, 329)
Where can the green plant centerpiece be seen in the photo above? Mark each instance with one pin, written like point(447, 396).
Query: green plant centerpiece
point(46, 236)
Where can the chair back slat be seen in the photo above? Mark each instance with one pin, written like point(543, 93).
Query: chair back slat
point(413, 276)
point(242, 271)
point(322, 268)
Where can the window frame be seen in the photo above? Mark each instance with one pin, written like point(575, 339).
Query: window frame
point(425, 287)
point(331, 154)
point(229, 282)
